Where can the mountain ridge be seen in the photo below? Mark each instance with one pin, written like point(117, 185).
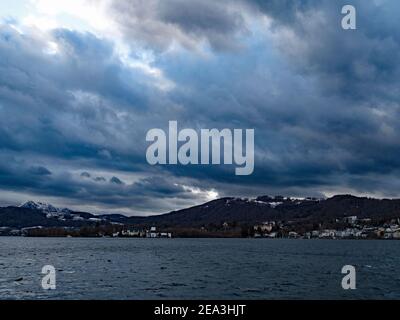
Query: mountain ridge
point(219, 211)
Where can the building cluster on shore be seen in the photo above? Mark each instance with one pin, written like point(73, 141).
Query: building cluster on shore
point(107, 231)
point(346, 228)
point(133, 233)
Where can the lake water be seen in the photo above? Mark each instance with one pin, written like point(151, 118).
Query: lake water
point(197, 268)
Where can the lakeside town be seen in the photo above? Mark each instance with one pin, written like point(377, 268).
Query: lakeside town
point(350, 227)
point(346, 228)
point(265, 217)
point(113, 230)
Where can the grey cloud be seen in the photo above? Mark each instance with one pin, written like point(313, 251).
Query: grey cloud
point(85, 175)
point(323, 102)
point(360, 64)
point(158, 24)
point(40, 171)
point(79, 103)
point(146, 196)
point(116, 180)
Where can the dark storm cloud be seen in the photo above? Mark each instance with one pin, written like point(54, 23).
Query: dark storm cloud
point(78, 108)
point(347, 63)
point(159, 24)
point(70, 105)
point(147, 195)
point(323, 102)
point(85, 174)
point(116, 180)
point(40, 171)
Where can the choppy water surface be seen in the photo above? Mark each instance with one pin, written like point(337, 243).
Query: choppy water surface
point(197, 268)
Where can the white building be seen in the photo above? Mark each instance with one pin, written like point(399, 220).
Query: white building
point(328, 234)
point(350, 219)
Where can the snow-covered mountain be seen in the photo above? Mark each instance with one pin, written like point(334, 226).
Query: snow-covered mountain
point(50, 210)
point(45, 207)
point(63, 214)
point(242, 211)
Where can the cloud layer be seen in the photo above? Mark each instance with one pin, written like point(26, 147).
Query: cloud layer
point(76, 103)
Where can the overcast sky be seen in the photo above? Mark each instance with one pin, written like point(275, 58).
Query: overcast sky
point(81, 83)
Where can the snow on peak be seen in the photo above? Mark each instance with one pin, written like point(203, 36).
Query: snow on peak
point(44, 207)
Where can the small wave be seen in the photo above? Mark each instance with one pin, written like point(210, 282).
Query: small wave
point(251, 290)
point(175, 284)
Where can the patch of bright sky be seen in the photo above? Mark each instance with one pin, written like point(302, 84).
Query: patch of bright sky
point(34, 13)
point(82, 16)
point(78, 15)
point(209, 195)
point(14, 9)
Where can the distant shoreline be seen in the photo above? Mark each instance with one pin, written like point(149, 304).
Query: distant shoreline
point(215, 238)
